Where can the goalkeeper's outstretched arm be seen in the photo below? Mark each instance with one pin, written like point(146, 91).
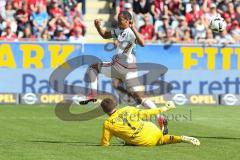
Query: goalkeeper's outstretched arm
point(147, 113)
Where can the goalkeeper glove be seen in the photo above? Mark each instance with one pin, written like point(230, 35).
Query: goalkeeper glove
point(168, 106)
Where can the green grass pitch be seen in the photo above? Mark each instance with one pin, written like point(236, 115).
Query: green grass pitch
point(34, 132)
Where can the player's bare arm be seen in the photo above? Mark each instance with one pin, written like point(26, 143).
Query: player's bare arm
point(105, 33)
point(139, 38)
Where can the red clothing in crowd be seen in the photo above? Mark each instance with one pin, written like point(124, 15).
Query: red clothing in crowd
point(11, 37)
point(34, 2)
point(57, 12)
point(121, 4)
point(193, 16)
point(147, 31)
point(21, 12)
point(159, 6)
point(30, 38)
point(17, 4)
point(233, 15)
point(173, 6)
point(74, 12)
point(76, 25)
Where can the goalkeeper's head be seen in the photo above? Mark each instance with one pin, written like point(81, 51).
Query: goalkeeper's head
point(108, 106)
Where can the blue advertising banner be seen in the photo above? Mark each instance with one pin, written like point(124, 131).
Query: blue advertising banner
point(192, 69)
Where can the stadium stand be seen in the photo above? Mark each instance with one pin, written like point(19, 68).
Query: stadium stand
point(42, 20)
point(159, 21)
point(183, 21)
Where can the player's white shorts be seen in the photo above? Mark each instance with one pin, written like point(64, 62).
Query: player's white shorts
point(129, 76)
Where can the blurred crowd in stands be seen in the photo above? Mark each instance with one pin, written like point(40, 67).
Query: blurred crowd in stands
point(163, 21)
point(32, 20)
point(183, 21)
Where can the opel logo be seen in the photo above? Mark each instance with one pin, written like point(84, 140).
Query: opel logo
point(180, 99)
point(230, 99)
point(30, 98)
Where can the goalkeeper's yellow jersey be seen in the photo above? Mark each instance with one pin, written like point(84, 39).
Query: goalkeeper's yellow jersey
point(133, 126)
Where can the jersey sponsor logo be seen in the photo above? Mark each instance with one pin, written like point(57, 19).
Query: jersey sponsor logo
point(123, 34)
point(127, 48)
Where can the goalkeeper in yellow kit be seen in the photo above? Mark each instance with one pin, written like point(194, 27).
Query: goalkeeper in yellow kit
point(134, 127)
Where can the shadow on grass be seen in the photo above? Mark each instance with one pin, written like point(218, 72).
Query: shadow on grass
point(66, 142)
point(213, 137)
point(112, 144)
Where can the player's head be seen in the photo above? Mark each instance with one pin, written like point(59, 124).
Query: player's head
point(108, 106)
point(124, 19)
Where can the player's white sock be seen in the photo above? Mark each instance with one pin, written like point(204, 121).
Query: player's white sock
point(94, 85)
point(92, 80)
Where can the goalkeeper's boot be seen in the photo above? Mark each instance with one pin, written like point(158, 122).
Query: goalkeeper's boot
point(163, 123)
point(191, 140)
point(89, 98)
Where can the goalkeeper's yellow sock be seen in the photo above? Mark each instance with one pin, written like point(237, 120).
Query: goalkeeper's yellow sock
point(168, 139)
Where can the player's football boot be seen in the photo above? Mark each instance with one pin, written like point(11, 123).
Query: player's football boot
point(163, 124)
point(191, 140)
point(86, 99)
point(162, 121)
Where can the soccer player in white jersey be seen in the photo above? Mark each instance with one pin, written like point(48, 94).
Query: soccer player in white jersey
point(123, 66)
